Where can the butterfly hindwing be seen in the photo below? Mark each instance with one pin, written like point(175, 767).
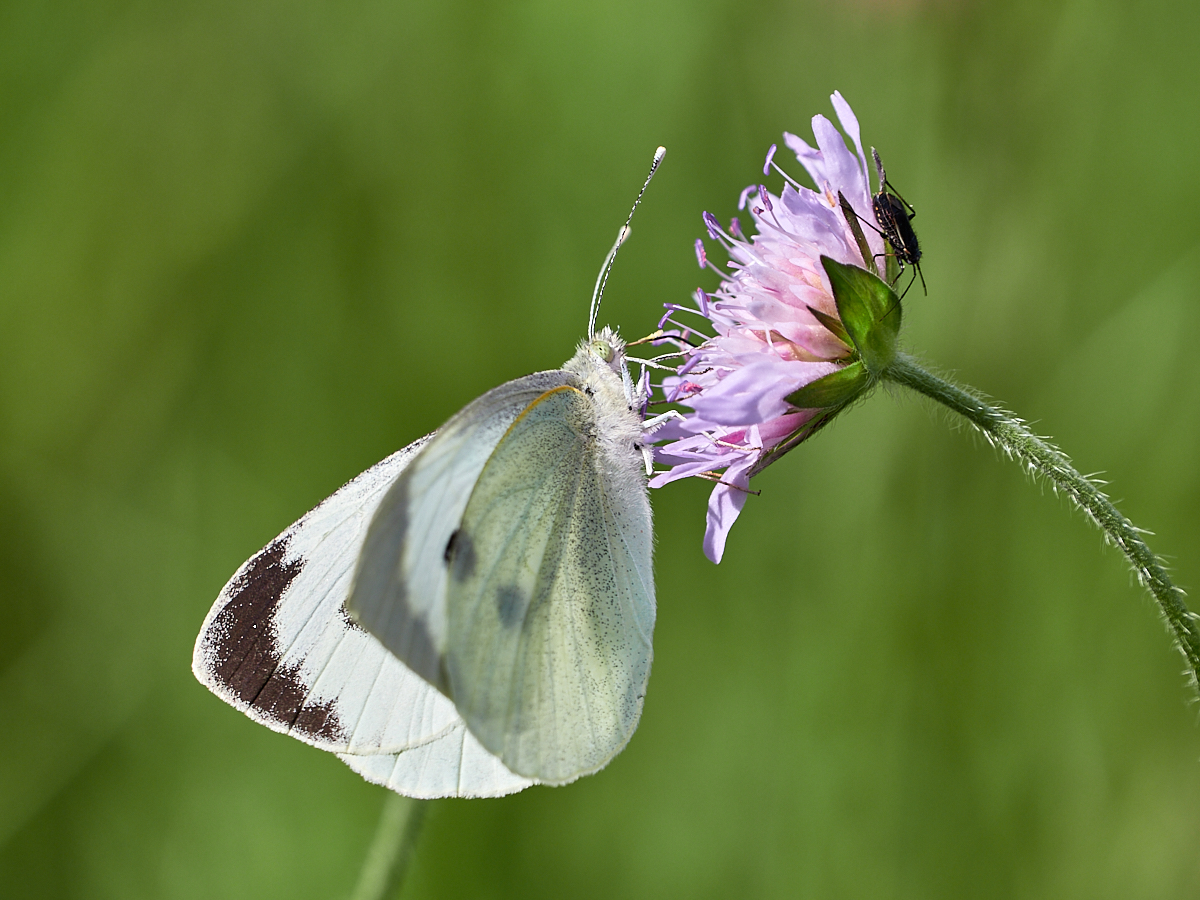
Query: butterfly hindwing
point(454, 764)
point(399, 591)
point(551, 596)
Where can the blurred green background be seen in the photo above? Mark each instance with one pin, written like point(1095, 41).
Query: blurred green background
point(248, 249)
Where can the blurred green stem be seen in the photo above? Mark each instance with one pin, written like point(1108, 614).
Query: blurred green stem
point(1006, 431)
point(383, 870)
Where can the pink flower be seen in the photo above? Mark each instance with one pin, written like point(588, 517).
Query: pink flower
point(776, 325)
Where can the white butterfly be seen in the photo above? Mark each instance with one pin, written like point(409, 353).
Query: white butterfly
point(474, 614)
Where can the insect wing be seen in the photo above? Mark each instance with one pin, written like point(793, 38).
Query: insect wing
point(399, 592)
point(279, 646)
point(894, 221)
point(551, 597)
point(453, 764)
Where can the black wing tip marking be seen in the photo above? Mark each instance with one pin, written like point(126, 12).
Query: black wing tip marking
point(240, 650)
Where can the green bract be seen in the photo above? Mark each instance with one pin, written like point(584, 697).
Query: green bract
point(870, 312)
point(835, 389)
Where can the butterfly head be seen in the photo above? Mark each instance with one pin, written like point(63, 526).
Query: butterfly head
point(599, 357)
point(606, 348)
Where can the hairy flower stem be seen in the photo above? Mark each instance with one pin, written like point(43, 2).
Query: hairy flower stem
point(387, 859)
point(1011, 434)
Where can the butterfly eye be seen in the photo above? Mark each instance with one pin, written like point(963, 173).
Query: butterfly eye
point(603, 349)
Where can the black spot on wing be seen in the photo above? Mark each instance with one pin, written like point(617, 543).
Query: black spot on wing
point(243, 654)
point(460, 555)
point(511, 604)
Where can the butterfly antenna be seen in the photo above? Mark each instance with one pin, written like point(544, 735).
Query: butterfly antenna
point(602, 278)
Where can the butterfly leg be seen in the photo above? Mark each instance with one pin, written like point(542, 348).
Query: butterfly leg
point(655, 422)
point(651, 424)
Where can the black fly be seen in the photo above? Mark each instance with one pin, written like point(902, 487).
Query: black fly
point(895, 215)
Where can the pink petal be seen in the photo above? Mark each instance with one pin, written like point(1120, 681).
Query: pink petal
point(850, 125)
point(724, 505)
point(751, 394)
point(841, 170)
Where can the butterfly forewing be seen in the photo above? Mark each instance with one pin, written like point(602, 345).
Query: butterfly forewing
point(399, 592)
point(551, 598)
point(279, 646)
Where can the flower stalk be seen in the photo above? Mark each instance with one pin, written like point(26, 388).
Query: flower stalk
point(1009, 433)
point(386, 864)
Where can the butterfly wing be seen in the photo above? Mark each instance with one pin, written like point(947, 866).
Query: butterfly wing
point(279, 645)
point(399, 592)
point(454, 764)
point(551, 595)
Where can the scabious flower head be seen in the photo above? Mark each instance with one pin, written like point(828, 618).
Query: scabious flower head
point(774, 320)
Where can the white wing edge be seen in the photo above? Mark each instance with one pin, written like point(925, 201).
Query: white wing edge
point(452, 765)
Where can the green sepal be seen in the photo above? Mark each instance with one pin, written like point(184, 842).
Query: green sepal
point(833, 326)
point(870, 311)
point(835, 389)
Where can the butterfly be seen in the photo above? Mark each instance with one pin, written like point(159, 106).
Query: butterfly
point(475, 613)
